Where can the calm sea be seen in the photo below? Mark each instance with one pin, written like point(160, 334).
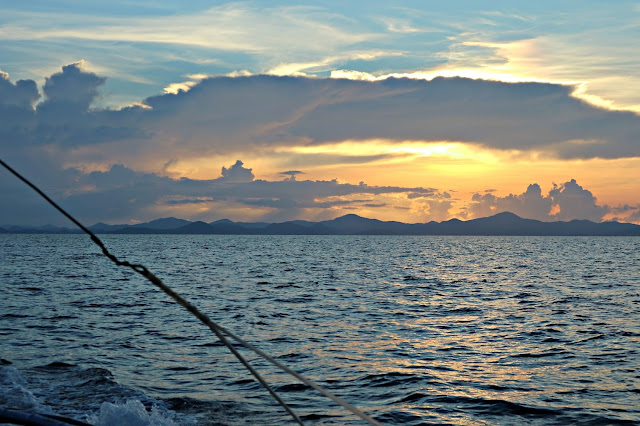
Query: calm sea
point(413, 330)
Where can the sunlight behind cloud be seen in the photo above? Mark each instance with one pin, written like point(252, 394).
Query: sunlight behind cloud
point(562, 60)
point(444, 149)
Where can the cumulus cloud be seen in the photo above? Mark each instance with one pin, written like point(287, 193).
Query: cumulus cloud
point(224, 114)
point(564, 202)
point(63, 119)
point(73, 88)
point(16, 111)
point(530, 204)
point(237, 173)
point(575, 202)
point(439, 210)
point(21, 95)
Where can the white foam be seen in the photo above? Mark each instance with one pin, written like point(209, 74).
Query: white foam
point(14, 393)
point(132, 413)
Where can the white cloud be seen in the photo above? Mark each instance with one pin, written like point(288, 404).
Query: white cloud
point(237, 27)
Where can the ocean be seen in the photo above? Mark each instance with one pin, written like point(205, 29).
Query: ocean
point(412, 330)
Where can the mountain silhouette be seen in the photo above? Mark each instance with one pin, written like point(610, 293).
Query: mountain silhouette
point(505, 223)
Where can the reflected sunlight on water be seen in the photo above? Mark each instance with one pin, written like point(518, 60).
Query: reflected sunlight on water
point(462, 330)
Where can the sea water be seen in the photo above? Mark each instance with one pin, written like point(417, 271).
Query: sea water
point(413, 330)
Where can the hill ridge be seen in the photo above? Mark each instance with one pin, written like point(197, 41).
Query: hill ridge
point(504, 223)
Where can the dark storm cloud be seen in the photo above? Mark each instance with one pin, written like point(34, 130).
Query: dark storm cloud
point(269, 109)
point(63, 118)
point(224, 114)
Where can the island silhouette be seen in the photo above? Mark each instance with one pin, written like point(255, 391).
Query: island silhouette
point(505, 223)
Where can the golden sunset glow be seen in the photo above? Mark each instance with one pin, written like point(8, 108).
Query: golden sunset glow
point(244, 111)
point(459, 168)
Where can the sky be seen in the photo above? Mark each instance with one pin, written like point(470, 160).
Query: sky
point(132, 110)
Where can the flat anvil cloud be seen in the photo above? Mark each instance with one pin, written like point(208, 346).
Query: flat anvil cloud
point(225, 114)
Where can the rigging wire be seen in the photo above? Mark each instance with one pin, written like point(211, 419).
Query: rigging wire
point(215, 328)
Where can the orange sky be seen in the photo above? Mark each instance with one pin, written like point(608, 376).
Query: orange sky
point(457, 168)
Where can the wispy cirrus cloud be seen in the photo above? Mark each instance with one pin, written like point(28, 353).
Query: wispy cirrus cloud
point(238, 27)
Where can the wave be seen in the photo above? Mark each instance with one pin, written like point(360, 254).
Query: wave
point(499, 411)
point(83, 394)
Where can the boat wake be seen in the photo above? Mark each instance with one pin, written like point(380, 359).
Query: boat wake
point(92, 395)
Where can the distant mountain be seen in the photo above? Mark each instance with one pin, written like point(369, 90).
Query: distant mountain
point(3, 231)
point(103, 227)
point(297, 228)
point(46, 229)
point(500, 224)
point(221, 227)
point(165, 223)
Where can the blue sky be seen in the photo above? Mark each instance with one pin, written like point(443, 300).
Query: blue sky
point(144, 45)
point(576, 119)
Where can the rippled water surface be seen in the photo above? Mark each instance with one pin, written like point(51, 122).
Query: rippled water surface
point(414, 330)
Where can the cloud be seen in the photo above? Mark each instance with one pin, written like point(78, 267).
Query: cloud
point(530, 204)
point(121, 195)
point(230, 114)
point(575, 202)
point(439, 210)
point(224, 115)
point(274, 34)
point(21, 95)
point(291, 174)
point(72, 88)
point(634, 217)
point(16, 111)
point(64, 118)
point(564, 202)
point(265, 110)
point(237, 173)
point(625, 213)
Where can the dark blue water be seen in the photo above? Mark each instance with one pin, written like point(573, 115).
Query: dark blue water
point(413, 330)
